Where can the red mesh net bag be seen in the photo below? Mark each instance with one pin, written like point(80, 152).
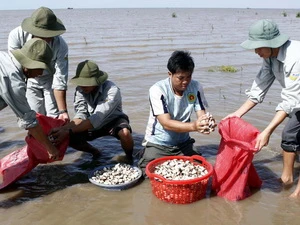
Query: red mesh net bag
point(22, 161)
point(234, 173)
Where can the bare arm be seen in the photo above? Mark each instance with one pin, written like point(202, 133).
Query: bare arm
point(263, 137)
point(246, 107)
point(177, 126)
point(75, 126)
point(60, 97)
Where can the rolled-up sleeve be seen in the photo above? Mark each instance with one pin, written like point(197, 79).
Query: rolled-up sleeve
point(61, 64)
point(80, 106)
point(261, 84)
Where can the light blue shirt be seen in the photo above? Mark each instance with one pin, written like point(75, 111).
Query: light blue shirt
point(163, 100)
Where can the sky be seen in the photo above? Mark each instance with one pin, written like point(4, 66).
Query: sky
point(61, 4)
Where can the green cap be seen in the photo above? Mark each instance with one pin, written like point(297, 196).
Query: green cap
point(264, 33)
point(43, 23)
point(35, 54)
point(88, 74)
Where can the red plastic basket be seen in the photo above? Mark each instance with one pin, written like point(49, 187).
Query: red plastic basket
point(179, 191)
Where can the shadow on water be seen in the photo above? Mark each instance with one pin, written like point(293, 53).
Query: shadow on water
point(11, 144)
point(46, 179)
point(269, 178)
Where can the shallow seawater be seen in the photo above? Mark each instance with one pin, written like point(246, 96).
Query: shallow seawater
point(133, 46)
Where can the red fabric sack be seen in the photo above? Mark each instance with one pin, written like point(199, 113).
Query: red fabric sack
point(234, 172)
point(22, 161)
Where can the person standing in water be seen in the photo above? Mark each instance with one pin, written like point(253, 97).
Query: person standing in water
point(281, 61)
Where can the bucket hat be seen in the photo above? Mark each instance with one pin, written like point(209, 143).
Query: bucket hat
point(35, 54)
point(43, 23)
point(88, 74)
point(264, 33)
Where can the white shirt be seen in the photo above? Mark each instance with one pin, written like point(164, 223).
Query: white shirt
point(286, 69)
point(12, 91)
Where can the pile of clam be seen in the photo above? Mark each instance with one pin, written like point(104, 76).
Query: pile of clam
point(178, 169)
point(117, 174)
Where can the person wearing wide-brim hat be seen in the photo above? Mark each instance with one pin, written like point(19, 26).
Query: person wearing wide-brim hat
point(98, 112)
point(47, 93)
point(281, 61)
point(27, 62)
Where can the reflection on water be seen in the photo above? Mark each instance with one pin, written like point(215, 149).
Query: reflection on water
point(133, 46)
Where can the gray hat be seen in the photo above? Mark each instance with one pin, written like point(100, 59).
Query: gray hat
point(264, 33)
point(88, 74)
point(35, 54)
point(43, 23)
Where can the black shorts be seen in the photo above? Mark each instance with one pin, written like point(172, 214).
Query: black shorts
point(110, 129)
point(291, 134)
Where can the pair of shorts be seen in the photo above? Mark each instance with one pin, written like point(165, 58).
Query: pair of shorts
point(291, 134)
point(110, 129)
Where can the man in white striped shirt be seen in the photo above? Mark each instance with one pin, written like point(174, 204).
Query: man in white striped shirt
point(172, 101)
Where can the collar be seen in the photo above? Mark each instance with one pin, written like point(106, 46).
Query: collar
point(282, 51)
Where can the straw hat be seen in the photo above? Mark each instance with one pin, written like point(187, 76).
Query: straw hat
point(264, 33)
point(43, 23)
point(88, 74)
point(35, 54)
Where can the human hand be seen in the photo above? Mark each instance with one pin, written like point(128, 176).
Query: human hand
point(53, 153)
point(58, 135)
point(206, 124)
point(64, 116)
point(262, 140)
point(202, 124)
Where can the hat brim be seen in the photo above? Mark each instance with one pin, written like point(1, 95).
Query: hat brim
point(274, 43)
point(89, 82)
point(29, 63)
point(40, 32)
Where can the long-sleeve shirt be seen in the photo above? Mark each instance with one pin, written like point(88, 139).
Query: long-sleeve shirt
point(18, 37)
point(100, 107)
point(286, 69)
point(13, 89)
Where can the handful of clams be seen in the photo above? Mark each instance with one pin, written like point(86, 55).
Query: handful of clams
point(211, 123)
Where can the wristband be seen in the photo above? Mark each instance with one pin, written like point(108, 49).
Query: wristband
point(62, 111)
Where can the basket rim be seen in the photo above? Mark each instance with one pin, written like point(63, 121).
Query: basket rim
point(190, 181)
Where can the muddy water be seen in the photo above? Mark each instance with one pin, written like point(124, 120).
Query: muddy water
point(133, 46)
